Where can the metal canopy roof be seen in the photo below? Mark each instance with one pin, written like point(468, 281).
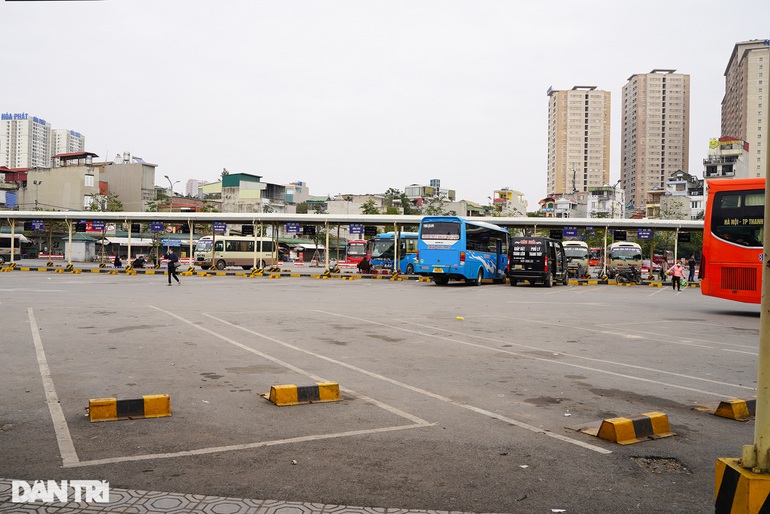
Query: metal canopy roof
point(321, 219)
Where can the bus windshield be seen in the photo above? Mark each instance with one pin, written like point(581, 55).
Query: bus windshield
point(357, 249)
point(625, 253)
point(446, 230)
point(204, 245)
point(575, 252)
point(382, 249)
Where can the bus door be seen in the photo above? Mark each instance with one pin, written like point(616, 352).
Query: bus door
point(499, 264)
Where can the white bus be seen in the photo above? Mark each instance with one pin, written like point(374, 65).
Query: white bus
point(21, 246)
point(624, 255)
point(244, 251)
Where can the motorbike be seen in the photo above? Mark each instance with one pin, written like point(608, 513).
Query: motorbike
point(630, 274)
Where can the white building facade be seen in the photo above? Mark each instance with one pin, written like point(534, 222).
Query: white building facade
point(67, 141)
point(25, 141)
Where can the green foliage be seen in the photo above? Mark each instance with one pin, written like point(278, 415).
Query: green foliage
point(436, 207)
point(369, 207)
point(106, 203)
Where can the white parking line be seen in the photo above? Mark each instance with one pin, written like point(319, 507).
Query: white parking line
point(417, 389)
point(63, 438)
point(236, 447)
point(557, 362)
point(389, 408)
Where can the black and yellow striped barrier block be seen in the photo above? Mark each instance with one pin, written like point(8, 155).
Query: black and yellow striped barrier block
point(49, 264)
point(425, 279)
point(735, 408)
point(69, 267)
point(650, 425)
point(739, 490)
point(112, 409)
point(256, 272)
point(102, 265)
point(290, 394)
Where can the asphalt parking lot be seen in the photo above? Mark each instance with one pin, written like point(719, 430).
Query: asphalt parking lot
point(454, 398)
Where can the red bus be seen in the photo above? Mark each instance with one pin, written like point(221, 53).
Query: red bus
point(731, 263)
point(355, 250)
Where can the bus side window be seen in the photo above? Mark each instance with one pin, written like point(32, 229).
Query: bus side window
point(219, 246)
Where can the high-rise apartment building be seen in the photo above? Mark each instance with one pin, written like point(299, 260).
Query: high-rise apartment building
point(25, 141)
point(746, 85)
point(193, 188)
point(578, 139)
point(67, 141)
point(656, 132)
point(30, 142)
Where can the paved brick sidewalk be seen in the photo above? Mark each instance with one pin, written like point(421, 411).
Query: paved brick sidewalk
point(153, 502)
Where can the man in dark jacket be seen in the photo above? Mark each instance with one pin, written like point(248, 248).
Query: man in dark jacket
point(173, 260)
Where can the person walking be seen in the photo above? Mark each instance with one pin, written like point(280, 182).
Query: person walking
point(677, 274)
point(117, 263)
point(691, 265)
point(172, 260)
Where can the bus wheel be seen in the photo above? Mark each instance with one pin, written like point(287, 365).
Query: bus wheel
point(246, 267)
point(513, 281)
point(262, 265)
point(2, 259)
point(479, 278)
point(221, 265)
point(548, 281)
point(441, 281)
point(409, 269)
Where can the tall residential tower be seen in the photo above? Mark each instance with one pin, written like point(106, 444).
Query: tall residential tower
point(743, 108)
point(25, 141)
point(578, 139)
point(656, 132)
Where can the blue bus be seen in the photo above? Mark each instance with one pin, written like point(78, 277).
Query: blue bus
point(450, 247)
point(382, 251)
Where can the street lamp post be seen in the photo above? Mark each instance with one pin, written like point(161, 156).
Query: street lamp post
point(170, 203)
point(170, 191)
point(37, 189)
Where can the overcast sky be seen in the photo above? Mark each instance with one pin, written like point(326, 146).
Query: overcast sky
point(355, 96)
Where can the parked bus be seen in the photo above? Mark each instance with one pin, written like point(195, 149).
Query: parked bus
point(355, 250)
point(595, 256)
point(454, 248)
point(382, 251)
point(731, 261)
point(622, 254)
point(243, 251)
point(21, 246)
point(577, 254)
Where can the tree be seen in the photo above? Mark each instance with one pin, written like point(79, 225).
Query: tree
point(302, 208)
point(394, 197)
point(105, 203)
point(435, 207)
point(369, 207)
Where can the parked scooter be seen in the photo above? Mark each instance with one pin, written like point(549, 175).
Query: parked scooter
point(630, 274)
